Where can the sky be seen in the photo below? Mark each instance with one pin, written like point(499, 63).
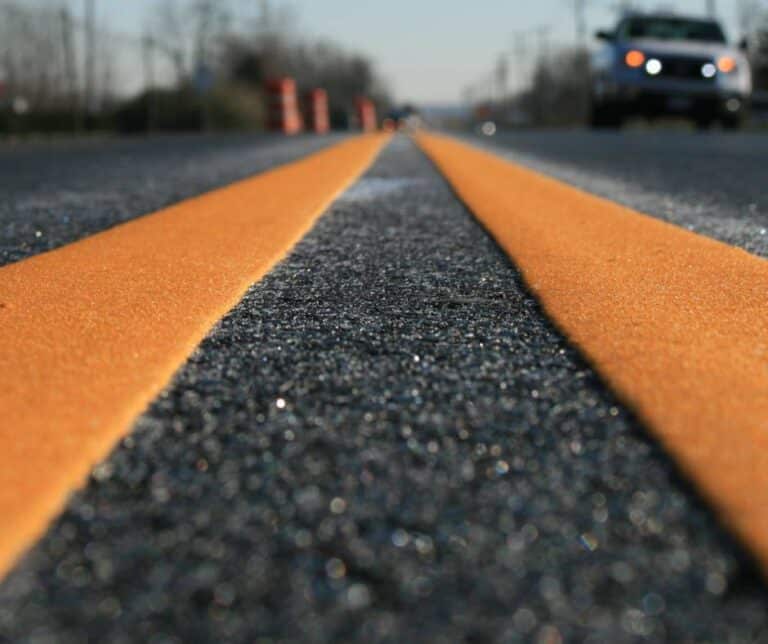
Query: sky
point(430, 50)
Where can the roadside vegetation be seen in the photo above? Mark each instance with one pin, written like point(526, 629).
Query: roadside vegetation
point(198, 65)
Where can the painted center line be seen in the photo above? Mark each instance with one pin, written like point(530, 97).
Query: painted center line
point(676, 323)
point(92, 332)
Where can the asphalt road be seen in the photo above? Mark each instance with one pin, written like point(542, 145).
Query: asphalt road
point(711, 183)
point(56, 193)
point(386, 441)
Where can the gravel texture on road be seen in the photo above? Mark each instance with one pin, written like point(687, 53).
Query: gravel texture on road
point(712, 183)
point(53, 194)
point(386, 442)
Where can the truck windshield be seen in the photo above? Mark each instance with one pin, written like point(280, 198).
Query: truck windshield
point(671, 29)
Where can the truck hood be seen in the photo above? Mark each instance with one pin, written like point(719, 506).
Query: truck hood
point(684, 47)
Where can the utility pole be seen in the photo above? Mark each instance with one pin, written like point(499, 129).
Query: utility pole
point(265, 17)
point(148, 51)
point(580, 21)
point(520, 49)
point(711, 8)
point(105, 83)
point(90, 53)
point(490, 87)
point(70, 70)
point(541, 74)
point(542, 35)
point(502, 76)
point(469, 95)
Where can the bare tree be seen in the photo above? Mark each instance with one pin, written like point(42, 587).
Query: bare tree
point(70, 68)
point(276, 21)
point(89, 72)
point(748, 11)
point(190, 34)
point(171, 37)
point(31, 53)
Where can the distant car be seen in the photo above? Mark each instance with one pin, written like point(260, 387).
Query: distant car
point(402, 118)
point(657, 64)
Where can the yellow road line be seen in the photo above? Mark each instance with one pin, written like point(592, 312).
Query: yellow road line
point(676, 324)
point(90, 333)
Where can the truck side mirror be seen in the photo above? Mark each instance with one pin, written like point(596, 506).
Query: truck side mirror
point(744, 44)
point(605, 35)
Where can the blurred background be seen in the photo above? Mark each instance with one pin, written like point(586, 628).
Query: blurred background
point(88, 66)
point(165, 65)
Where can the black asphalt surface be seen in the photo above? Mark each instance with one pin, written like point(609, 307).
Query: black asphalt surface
point(56, 193)
point(386, 441)
point(711, 183)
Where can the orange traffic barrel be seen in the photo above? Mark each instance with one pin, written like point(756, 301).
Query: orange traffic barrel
point(366, 114)
point(283, 107)
point(316, 111)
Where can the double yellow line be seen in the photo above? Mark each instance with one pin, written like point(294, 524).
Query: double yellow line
point(675, 323)
point(92, 332)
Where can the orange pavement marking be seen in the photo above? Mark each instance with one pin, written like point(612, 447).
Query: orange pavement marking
point(92, 332)
point(676, 323)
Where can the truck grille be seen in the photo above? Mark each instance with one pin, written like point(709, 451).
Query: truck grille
point(687, 68)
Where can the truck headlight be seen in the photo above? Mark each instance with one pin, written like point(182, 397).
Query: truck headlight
point(653, 66)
